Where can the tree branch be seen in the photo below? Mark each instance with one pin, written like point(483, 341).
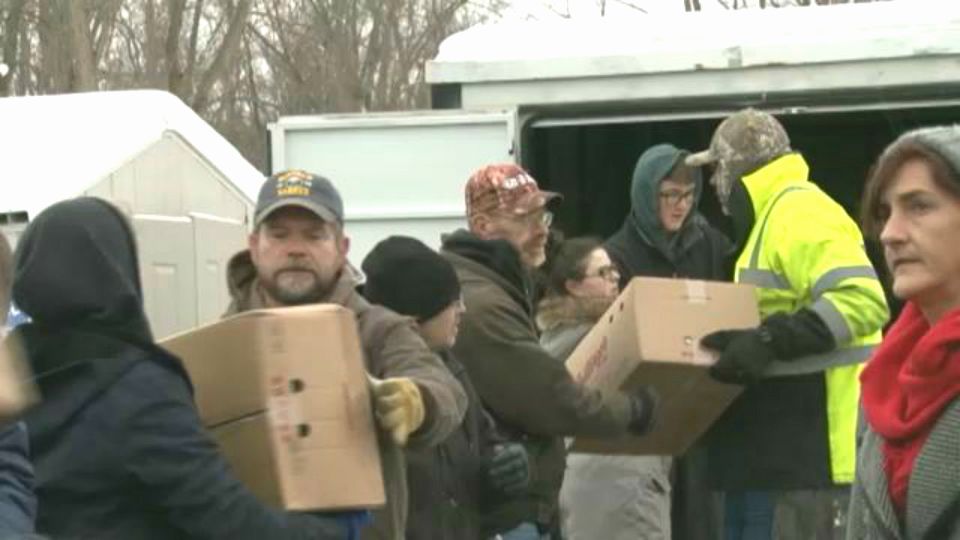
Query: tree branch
point(11, 38)
point(225, 54)
point(84, 66)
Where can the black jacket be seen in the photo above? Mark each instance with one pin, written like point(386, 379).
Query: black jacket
point(643, 248)
point(448, 483)
point(707, 256)
point(18, 504)
point(117, 444)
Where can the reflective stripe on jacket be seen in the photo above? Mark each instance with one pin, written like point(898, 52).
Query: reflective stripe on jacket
point(805, 252)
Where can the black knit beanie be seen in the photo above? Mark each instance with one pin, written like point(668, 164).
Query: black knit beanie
point(405, 275)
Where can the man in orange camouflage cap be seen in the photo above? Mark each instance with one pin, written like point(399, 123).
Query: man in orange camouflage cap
point(529, 393)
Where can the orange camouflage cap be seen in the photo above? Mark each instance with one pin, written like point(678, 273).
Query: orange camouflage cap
point(504, 187)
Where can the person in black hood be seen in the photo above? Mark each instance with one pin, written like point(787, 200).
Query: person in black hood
point(532, 397)
point(117, 444)
point(665, 236)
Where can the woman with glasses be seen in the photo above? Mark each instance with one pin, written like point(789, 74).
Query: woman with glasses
point(665, 236)
point(609, 497)
point(582, 282)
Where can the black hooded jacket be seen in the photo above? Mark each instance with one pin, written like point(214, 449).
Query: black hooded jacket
point(118, 447)
point(642, 248)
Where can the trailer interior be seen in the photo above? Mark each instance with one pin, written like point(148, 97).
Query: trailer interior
point(591, 161)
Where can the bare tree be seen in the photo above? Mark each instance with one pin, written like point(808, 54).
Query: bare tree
point(238, 63)
point(11, 16)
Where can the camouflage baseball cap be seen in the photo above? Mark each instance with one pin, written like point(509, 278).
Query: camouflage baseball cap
point(746, 136)
point(744, 142)
point(504, 187)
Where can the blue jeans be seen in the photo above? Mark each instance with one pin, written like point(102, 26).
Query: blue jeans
point(748, 515)
point(524, 531)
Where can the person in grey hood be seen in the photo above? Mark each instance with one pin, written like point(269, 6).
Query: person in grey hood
point(665, 236)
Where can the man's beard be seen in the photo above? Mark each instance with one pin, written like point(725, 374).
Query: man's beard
point(295, 296)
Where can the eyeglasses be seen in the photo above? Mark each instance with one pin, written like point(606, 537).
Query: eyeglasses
point(674, 197)
point(609, 273)
point(536, 217)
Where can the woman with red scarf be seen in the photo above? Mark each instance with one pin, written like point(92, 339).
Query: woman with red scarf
point(908, 473)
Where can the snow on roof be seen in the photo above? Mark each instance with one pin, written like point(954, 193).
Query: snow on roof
point(681, 41)
point(55, 147)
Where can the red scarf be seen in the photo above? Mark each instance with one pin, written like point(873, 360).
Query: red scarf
point(912, 377)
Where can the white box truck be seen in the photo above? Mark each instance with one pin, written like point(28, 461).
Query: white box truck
point(577, 102)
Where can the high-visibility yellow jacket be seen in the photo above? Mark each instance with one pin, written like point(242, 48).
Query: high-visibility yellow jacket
point(804, 251)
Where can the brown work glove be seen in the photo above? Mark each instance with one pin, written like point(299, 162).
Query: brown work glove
point(398, 407)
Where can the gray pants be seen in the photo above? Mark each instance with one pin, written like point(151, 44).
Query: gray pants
point(616, 498)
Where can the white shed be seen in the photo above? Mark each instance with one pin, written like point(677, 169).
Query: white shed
point(188, 191)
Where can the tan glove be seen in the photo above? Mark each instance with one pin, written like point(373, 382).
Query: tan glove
point(398, 406)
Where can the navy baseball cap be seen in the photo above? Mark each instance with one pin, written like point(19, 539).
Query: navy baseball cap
point(296, 187)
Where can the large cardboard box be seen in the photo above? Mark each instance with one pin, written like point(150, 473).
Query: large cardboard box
point(285, 394)
point(650, 336)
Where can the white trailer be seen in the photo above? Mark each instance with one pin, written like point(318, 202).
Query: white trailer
point(577, 102)
point(187, 190)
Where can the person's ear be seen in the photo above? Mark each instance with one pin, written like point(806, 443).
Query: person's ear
point(253, 244)
point(481, 225)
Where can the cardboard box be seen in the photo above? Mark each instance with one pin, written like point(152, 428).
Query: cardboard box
point(650, 335)
point(285, 394)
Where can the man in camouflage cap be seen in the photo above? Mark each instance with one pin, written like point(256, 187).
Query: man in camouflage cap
point(784, 451)
point(531, 396)
point(743, 143)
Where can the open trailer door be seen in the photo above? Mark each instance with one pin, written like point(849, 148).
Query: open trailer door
point(398, 173)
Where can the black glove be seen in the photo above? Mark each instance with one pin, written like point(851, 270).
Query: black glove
point(509, 470)
point(644, 402)
point(799, 334)
point(744, 354)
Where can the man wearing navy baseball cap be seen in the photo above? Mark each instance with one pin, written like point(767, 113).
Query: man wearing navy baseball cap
point(298, 255)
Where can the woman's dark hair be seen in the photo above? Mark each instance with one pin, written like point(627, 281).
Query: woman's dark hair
point(872, 212)
point(570, 262)
point(682, 173)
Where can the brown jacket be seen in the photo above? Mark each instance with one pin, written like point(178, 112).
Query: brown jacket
point(392, 348)
point(529, 393)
